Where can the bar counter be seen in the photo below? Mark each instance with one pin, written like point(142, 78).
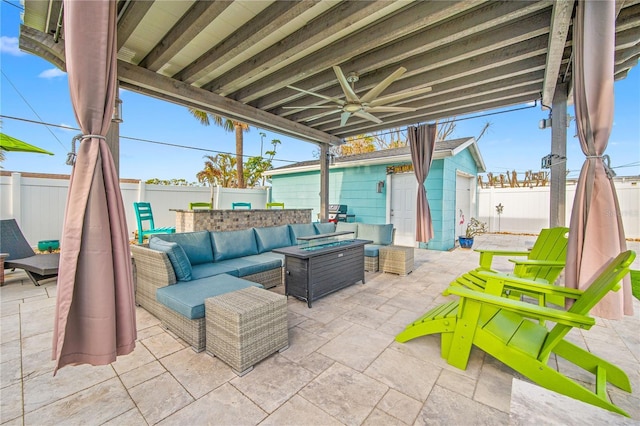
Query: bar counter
point(229, 220)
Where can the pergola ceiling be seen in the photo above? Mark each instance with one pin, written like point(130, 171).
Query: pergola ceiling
point(238, 58)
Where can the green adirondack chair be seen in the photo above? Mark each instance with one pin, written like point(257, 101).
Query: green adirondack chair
point(504, 329)
point(544, 261)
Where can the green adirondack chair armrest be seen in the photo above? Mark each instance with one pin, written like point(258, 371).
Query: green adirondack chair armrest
point(486, 256)
point(526, 309)
point(550, 263)
point(529, 286)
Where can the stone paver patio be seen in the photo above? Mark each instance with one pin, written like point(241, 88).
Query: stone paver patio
point(342, 367)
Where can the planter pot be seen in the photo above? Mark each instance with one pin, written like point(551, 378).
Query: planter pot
point(465, 242)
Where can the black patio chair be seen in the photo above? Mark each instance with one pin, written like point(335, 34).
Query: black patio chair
point(38, 267)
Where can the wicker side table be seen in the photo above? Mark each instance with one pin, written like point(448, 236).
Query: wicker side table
point(245, 326)
point(396, 259)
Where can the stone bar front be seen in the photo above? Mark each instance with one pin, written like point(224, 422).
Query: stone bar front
point(229, 220)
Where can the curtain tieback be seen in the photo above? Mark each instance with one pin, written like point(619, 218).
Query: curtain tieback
point(606, 162)
point(71, 157)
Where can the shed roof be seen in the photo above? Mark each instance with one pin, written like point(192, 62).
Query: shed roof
point(443, 149)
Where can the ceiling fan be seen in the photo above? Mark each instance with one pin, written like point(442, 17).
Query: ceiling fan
point(364, 106)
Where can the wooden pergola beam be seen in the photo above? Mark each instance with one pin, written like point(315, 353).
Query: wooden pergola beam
point(130, 18)
point(150, 83)
point(560, 23)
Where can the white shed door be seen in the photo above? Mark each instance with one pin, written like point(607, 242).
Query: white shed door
point(463, 203)
point(404, 189)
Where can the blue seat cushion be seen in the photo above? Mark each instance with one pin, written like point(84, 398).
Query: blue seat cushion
point(232, 244)
point(301, 230)
point(348, 227)
point(379, 234)
point(249, 265)
point(177, 257)
point(197, 245)
point(212, 269)
point(325, 228)
point(187, 298)
point(272, 237)
point(266, 256)
point(372, 250)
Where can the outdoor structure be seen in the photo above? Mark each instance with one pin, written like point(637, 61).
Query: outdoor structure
point(380, 187)
point(268, 63)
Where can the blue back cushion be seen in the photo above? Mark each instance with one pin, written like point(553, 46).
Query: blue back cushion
point(272, 237)
point(301, 230)
point(177, 257)
point(197, 245)
point(232, 244)
point(325, 228)
point(379, 234)
point(350, 227)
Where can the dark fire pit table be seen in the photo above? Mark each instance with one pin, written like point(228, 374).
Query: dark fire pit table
point(322, 264)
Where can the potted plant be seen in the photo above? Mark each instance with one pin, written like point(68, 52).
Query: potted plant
point(475, 227)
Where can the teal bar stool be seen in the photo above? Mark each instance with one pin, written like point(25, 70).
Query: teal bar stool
point(246, 205)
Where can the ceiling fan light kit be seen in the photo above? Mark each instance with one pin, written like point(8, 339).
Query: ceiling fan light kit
point(362, 106)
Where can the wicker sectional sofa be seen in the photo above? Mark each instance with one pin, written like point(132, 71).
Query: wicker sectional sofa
point(175, 273)
point(381, 235)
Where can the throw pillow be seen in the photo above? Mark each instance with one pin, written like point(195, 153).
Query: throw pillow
point(177, 257)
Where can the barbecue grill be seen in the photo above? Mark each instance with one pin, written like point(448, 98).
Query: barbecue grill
point(338, 213)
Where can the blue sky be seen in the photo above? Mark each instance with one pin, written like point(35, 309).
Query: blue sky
point(34, 89)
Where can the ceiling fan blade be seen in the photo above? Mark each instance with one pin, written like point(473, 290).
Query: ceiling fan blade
point(393, 98)
point(320, 115)
point(367, 116)
point(344, 117)
point(391, 109)
point(328, 98)
point(314, 107)
point(346, 87)
point(373, 93)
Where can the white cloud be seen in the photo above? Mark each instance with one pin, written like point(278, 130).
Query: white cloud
point(9, 45)
point(52, 73)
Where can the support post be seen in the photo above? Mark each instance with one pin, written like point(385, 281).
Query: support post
point(558, 180)
point(324, 182)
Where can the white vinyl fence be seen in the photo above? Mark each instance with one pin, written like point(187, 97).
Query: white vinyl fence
point(526, 210)
point(38, 203)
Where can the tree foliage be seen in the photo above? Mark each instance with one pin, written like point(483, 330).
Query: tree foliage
point(170, 182)
point(218, 170)
point(256, 166)
point(228, 125)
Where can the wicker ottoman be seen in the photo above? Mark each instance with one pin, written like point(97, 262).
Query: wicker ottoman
point(246, 326)
point(396, 259)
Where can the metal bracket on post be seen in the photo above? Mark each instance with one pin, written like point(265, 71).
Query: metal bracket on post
point(552, 160)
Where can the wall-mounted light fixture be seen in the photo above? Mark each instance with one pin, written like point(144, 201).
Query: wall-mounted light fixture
point(379, 186)
point(331, 158)
point(117, 111)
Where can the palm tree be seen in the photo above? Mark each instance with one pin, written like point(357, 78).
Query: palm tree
point(229, 125)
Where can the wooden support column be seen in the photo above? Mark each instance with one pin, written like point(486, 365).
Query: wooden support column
point(324, 182)
point(558, 180)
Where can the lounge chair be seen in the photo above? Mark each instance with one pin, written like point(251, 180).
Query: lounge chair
point(544, 261)
point(503, 328)
point(38, 267)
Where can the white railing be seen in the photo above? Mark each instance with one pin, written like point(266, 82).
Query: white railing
point(38, 203)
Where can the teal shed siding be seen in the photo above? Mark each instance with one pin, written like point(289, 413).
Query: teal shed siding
point(356, 187)
point(445, 225)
